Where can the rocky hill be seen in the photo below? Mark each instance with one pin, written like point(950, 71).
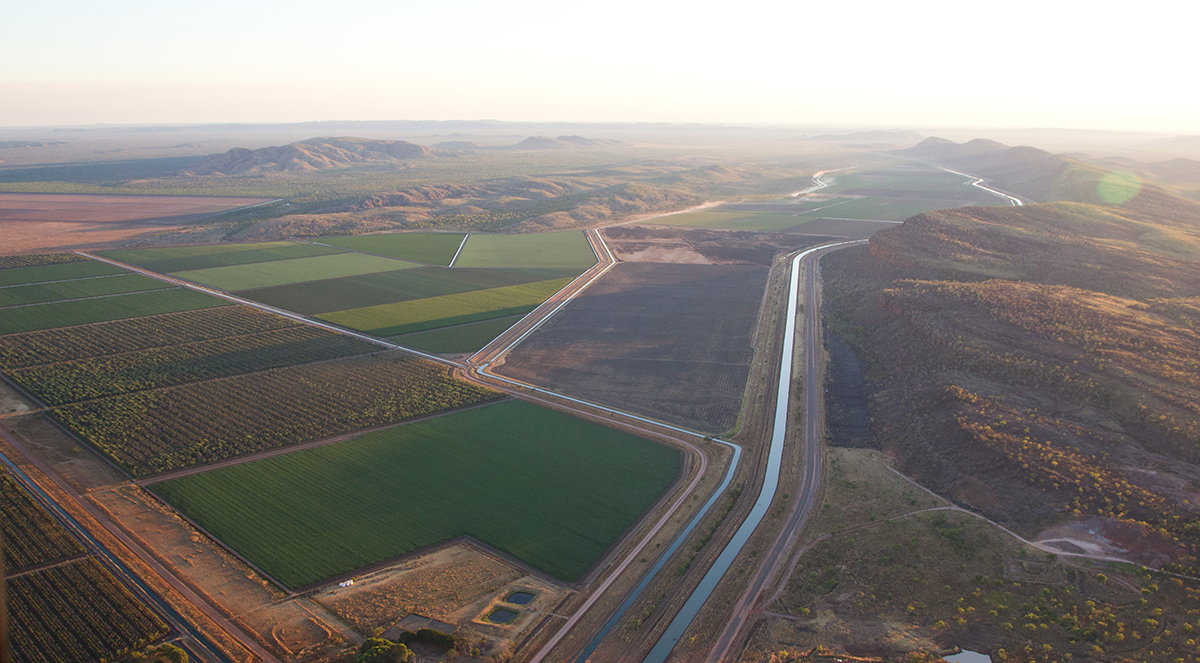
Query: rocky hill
point(1027, 172)
point(307, 155)
point(1039, 364)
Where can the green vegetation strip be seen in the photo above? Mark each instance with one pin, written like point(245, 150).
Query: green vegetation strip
point(178, 259)
point(735, 220)
point(549, 489)
point(469, 337)
point(560, 249)
point(117, 307)
point(432, 248)
point(434, 312)
point(39, 293)
point(351, 292)
point(296, 270)
point(56, 272)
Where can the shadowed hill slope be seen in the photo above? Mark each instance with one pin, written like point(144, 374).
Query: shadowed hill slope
point(1039, 364)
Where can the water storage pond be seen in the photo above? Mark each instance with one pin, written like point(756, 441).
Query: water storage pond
point(520, 598)
point(501, 616)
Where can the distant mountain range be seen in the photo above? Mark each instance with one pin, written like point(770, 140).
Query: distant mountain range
point(307, 155)
point(1028, 172)
point(343, 152)
point(890, 137)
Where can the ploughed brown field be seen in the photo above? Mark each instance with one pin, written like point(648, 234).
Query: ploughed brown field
point(38, 222)
point(671, 341)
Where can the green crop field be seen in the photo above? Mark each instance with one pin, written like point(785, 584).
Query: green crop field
point(468, 337)
point(552, 490)
point(559, 249)
point(883, 209)
point(56, 272)
point(184, 258)
point(432, 248)
point(434, 312)
point(734, 220)
point(352, 292)
point(116, 307)
point(295, 270)
point(40, 293)
point(159, 430)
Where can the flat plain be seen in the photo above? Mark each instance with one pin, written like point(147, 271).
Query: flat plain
point(501, 474)
point(293, 270)
point(40, 222)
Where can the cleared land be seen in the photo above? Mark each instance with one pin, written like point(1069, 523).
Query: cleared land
point(147, 432)
point(431, 248)
point(783, 218)
point(101, 309)
point(353, 292)
point(183, 258)
point(433, 312)
point(669, 341)
point(548, 250)
point(38, 222)
point(295, 270)
point(500, 474)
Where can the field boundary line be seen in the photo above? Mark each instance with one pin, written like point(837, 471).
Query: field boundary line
point(460, 248)
point(842, 218)
point(83, 299)
point(81, 278)
point(47, 566)
point(303, 446)
point(270, 309)
point(332, 246)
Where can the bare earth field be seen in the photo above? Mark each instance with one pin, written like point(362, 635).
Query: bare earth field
point(671, 341)
point(673, 244)
point(34, 222)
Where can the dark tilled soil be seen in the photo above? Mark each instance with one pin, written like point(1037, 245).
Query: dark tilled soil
point(847, 413)
point(669, 341)
point(722, 247)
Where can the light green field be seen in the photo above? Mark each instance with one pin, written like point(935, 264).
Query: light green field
point(552, 490)
point(559, 249)
point(469, 337)
point(433, 312)
point(57, 272)
point(734, 220)
point(296, 270)
point(882, 209)
point(184, 258)
point(432, 248)
point(103, 309)
point(37, 293)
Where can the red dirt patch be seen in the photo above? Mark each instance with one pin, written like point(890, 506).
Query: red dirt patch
point(32, 222)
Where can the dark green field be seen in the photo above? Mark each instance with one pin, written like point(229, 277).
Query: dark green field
point(181, 258)
point(431, 248)
point(316, 297)
point(38, 293)
point(469, 337)
point(117, 307)
point(56, 272)
point(549, 489)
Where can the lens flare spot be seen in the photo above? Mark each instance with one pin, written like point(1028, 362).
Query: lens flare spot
point(1117, 187)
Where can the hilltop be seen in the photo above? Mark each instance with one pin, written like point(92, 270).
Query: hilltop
point(308, 155)
point(1028, 172)
point(1039, 365)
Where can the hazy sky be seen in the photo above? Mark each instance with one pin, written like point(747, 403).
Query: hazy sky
point(962, 63)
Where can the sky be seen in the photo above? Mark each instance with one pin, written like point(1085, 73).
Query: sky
point(1051, 63)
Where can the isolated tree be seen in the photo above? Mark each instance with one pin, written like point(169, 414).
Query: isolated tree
point(379, 650)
